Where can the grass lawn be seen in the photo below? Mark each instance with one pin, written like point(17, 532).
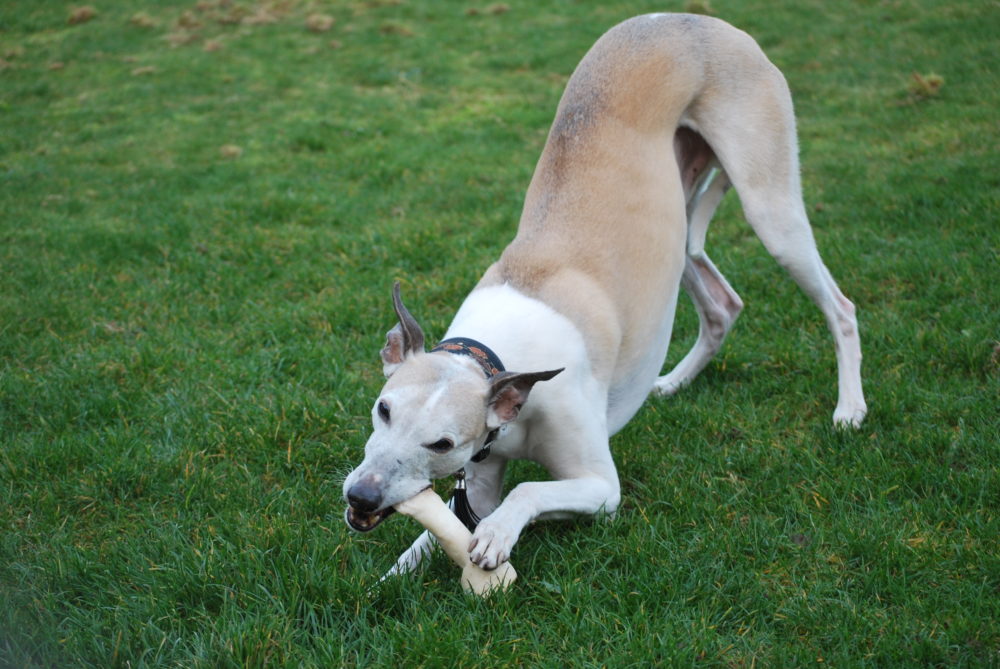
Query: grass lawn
point(203, 206)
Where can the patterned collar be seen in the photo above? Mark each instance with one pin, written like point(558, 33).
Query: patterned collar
point(478, 351)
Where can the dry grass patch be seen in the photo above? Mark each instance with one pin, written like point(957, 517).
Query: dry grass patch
point(81, 15)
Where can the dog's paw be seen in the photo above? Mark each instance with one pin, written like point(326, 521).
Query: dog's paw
point(850, 416)
point(491, 545)
point(667, 386)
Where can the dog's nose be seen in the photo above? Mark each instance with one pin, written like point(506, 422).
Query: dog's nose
point(365, 497)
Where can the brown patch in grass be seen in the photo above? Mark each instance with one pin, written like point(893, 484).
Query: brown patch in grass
point(58, 65)
point(188, 21)
point(319, 23)
point(142, 20)
point(143, 71)
point(495, 9)
point(211, 45)
point(9, 55)
point(82, 14)
point(113, 327)
point(180, 38)
point(112, 368)
point(227, 13)
point(926, 85)
point(922, 87)
point(233, 15)
point(261, 16)
point(230, 151)
point(391, 28)
point(699, 7)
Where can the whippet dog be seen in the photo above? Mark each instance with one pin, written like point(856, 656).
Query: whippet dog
point(662, 115)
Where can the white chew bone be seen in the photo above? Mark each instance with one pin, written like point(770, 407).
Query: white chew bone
point(428, 509)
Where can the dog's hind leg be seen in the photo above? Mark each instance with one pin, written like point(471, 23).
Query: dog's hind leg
point(752, 131)
point(785, 233)
point(716, 302)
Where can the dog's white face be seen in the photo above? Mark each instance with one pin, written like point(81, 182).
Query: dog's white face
point(436, 410)
point(428, 421)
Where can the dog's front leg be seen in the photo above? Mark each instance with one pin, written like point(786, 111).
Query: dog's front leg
point(496, 535)
point(484, 482)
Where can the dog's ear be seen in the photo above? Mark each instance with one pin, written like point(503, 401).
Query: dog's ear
point(402, 340)
point(508, 393)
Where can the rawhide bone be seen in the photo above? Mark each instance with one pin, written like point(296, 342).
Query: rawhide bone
point(428, 509)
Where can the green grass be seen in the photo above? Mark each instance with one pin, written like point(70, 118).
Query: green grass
point(189, 337)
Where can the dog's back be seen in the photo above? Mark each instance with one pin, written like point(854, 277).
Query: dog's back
point(603, 231)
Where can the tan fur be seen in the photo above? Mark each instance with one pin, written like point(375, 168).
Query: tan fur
point(603, 231)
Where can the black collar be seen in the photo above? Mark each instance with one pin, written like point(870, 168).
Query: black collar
point(491, 366)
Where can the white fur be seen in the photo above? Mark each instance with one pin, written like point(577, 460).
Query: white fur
point(614, 224)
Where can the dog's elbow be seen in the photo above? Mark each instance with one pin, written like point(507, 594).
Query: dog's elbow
point(610, 507)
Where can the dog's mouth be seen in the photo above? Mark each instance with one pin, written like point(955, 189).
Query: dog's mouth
point(361, 521)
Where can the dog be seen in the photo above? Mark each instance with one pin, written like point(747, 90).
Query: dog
point(662, 116)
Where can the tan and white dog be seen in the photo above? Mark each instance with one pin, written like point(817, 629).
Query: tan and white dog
point(663, 114)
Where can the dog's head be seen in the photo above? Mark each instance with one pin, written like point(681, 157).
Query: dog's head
point(433, 414)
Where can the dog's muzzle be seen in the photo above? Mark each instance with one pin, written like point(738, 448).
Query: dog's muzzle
point(362, 521)
point(364, 499)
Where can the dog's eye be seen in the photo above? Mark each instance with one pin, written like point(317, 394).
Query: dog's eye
point(383, 410)
point(441, 446)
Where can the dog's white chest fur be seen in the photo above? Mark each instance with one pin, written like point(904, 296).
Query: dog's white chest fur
point(545, 338)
